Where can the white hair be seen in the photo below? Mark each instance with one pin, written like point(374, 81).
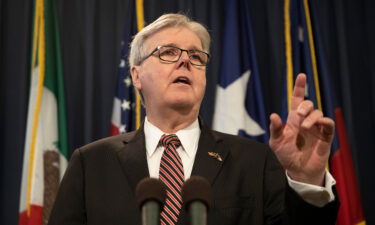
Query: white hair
point(138, 48)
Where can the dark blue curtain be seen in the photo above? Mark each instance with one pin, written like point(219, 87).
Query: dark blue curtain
point(91, 32)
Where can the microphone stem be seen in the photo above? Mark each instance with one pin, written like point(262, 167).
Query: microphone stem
point(198, 212)
point(151, 213)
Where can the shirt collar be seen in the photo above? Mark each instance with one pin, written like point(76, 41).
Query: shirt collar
point(188, 136)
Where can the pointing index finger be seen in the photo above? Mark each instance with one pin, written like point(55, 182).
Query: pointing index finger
point(298, 91)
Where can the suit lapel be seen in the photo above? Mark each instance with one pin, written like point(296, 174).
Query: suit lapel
point(133, 160)
point(205, 164)
point(133, 157)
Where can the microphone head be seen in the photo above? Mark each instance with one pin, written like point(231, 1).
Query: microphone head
point(197, 188)
point(150, 189)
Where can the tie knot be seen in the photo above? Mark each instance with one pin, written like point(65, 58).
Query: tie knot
point(170, 139)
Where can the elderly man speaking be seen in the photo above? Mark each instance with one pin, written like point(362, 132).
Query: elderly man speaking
point(252, 183)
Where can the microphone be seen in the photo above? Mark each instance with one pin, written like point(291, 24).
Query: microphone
point(197, 197)
point(150, 194)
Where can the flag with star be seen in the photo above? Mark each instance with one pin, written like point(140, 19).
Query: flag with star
point(305, 53)
point(46, 146)
point(126, 110)
point(239, 107)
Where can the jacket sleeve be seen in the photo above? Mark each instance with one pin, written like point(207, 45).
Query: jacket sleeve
point(283, 206)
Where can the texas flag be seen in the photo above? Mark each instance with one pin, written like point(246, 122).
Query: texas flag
point(239, 108)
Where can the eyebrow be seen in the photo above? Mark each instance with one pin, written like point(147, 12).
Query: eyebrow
point(192, 47)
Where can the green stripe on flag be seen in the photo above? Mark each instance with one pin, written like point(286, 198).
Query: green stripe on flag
point(54, 73)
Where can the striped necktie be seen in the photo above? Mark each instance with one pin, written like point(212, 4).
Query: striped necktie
point(171, 173)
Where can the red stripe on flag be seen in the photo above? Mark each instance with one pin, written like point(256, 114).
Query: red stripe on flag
point(114, 130)
point(342, 169)
point(35, 218)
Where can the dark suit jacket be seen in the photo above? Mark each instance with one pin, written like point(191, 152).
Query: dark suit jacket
point(249, 185)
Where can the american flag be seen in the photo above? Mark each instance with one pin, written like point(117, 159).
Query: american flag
point(123, 113)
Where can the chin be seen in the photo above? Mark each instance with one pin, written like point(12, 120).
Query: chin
point(183, 101)
point(181, 104)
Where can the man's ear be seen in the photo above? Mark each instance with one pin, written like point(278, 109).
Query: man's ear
point(134, 71)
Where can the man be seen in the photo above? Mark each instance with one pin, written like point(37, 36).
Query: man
point(168, 66)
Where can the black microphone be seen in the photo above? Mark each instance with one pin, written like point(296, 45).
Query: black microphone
point(197, 197)
point(150, 194)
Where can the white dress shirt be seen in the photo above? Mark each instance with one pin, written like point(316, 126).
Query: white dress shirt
point(189, 137)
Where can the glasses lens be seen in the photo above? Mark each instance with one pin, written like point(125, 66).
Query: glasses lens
point(198, 58)
point(170, 54)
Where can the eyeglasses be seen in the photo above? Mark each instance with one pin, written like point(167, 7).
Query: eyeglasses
point(173, 54)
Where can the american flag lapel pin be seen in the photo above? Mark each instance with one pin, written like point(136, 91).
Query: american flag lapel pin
point(215, 155)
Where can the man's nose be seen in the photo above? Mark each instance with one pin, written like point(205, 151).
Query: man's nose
point(184, 60)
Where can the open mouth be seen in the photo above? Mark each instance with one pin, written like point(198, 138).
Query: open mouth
point(182, 80)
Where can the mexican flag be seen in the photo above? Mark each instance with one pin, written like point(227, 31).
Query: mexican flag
point(45, 153)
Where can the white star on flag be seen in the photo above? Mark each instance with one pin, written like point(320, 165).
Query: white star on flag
point(127, 81)
point(122, 129)
point(122, 63)
point(125, 105)
point(230, 112)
